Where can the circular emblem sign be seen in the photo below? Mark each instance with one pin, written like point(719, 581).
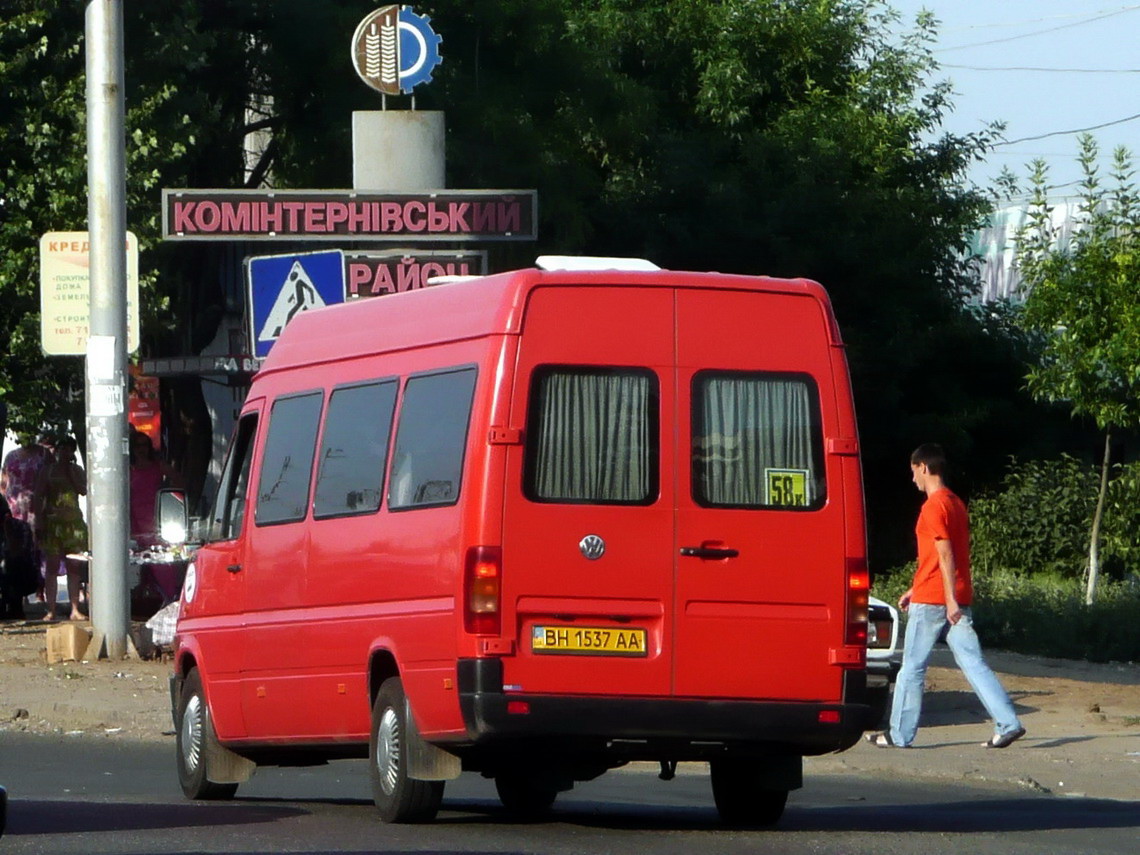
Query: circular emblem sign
point(190, 583)
point(395, 50)
point(592, 547)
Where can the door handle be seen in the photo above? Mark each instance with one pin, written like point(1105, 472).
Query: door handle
point(709, 552)
point(234, 568)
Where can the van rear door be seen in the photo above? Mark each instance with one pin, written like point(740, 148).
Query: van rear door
point(671, 491)
point(588, 518)
point(760, 592)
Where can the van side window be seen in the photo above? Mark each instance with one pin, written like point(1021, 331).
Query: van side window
point(757, 441)
point(287, 464)
point(229, 509)
point(354, 450)
point(591, 436)
point(430, 440)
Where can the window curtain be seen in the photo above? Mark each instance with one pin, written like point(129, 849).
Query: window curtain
point(750, 425)
point(593, 438)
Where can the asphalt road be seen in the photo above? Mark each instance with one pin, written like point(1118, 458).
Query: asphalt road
point(83, 795)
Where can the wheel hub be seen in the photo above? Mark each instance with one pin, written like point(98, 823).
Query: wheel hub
point(388, 750)
point(192, 733)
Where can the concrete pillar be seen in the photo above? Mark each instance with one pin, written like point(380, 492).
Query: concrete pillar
point(398, 150)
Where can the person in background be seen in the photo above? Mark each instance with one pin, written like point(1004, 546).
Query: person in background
point(18, 476)
point(148, 474)
point(60, 528)
point(938, 601)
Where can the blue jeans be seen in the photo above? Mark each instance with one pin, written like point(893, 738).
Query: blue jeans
point(924, 625)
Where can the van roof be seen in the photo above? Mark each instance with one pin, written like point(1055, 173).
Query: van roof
point(473, 308)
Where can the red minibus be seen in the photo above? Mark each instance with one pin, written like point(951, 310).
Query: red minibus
point(536, 525)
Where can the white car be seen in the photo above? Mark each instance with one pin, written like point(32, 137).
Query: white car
point(884, 655)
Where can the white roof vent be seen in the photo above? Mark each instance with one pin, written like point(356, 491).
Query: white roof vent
point(592, 262)
point(448, 278)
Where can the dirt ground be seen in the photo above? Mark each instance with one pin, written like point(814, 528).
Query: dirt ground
point(1083, 719)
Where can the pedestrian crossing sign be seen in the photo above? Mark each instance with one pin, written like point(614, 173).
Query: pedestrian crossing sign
point(282, 286)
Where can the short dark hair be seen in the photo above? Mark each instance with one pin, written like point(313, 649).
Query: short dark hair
point(932, 455)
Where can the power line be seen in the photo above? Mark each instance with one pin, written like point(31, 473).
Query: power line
point(1074, 131)
point(1021, 23)
point(1040, 32)
point(1037, 68)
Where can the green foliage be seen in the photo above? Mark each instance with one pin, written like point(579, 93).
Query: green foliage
point(1038, 521)
point(1045, 615)
point(800, 138)
point(176, 123)
point(1084, 300)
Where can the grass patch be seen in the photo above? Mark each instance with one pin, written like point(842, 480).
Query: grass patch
point(1046, 615)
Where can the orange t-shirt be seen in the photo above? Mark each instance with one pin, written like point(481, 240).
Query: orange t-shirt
point(943, 517)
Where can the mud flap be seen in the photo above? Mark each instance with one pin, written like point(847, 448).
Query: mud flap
point(782, 771)
point(224, 766)
point(427, 762)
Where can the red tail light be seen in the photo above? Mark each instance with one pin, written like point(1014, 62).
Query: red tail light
point(858, 586)
point(482, 579)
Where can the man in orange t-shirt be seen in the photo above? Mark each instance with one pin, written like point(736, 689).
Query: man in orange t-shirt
point(938, 602)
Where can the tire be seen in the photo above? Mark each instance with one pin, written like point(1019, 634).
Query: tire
point(525, 796)
point(195, 732)
point(741, 797)
point(397, 797)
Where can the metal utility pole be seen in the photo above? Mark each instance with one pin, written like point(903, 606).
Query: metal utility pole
point(107, 462)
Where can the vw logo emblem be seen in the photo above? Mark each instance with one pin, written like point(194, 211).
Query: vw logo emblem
point(592, 546)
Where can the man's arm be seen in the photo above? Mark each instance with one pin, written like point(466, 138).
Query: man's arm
point(948, 567)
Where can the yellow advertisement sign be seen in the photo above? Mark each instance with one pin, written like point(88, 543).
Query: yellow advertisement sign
point(65, 293)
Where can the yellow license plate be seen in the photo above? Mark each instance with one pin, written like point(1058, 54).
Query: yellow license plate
point(588, 640)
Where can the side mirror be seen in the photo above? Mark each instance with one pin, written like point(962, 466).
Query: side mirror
point(170, 513)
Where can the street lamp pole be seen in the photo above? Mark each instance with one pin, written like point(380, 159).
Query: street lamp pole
point(106, 365)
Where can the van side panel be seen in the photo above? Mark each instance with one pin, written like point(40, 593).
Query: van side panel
point(386, 581)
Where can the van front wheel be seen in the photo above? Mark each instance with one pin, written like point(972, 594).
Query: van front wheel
point(195, 737)
point(742, 798)
point(397, 797)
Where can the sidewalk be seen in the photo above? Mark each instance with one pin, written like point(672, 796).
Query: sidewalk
point(1083, 723)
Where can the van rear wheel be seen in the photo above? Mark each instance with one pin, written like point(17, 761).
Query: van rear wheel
point(195, 736)
point(397, 797)
point(525, 796)
point(742, 798)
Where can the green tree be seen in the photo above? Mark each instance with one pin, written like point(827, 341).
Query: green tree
point(800, 138)
point(1082, 300)
point(184, 127)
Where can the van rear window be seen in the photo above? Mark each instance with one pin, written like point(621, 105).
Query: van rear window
point(354, 450)
point(757, 441)
point(591, 436)
point(287, 464)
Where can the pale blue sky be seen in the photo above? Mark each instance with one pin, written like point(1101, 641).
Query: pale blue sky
point(993, 52)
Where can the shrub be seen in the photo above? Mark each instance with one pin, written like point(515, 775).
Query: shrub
point(1039, 522)
point(1046, 615)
